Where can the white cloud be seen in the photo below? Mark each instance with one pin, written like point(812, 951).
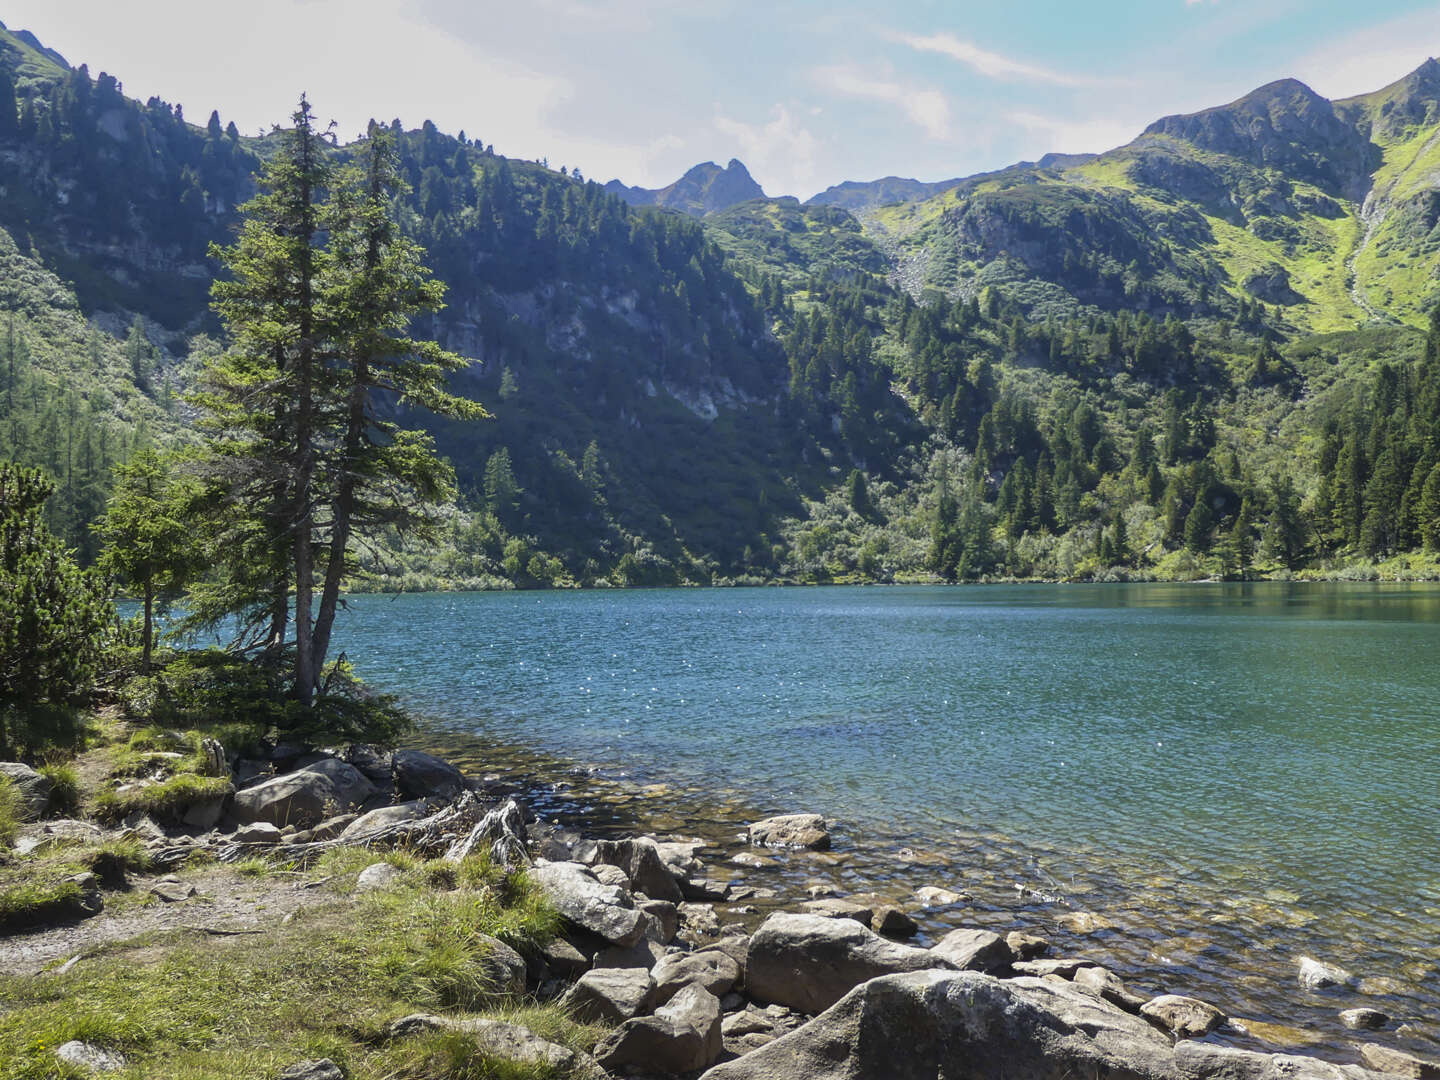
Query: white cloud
point(928, 109)
point(780, 152)
point(1358, 62)
point(990, 64)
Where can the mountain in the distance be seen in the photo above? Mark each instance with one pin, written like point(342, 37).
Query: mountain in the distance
point(705, 189)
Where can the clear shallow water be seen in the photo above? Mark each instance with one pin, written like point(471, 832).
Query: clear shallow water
point(1233, 774)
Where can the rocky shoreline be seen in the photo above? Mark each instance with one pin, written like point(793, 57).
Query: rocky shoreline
point(704, 976)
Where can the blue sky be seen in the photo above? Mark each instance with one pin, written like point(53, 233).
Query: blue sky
point(806, 93)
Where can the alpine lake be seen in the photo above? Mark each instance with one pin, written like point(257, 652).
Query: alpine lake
point(1195, 784)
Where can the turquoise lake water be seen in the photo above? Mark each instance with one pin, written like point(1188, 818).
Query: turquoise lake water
point(1253, 768)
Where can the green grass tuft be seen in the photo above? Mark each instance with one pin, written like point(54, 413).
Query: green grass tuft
point(32, 903)
point(64, 789)
point(166, 799)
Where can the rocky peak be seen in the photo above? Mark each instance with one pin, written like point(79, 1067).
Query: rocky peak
point(704, 189)
point(1282, 125)
point(1402, 107)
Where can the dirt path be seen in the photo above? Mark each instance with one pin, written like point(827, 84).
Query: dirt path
point(226, 903)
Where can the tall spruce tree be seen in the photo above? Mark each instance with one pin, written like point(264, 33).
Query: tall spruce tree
point(306, 457)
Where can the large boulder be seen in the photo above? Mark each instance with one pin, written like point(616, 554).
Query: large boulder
point(806, 831)
point(809, 962)
point(32, 787)
point(965, 1025)
point(641, 860)
point(584, 902)
point(1183, 1017)
point(610, 995)
point(974, 950)
point(419, 775)
point(681, 1037)
point(383, 818)
point(499, 1039)
point(305, 797)
point(714, 970)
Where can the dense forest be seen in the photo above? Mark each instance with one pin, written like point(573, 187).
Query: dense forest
point(762, 391)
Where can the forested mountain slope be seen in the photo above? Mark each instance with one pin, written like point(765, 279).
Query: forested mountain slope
point(1205, 352)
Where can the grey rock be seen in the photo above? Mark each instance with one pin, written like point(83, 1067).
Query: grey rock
point(610, 875)
point(318, 1069)
point(513, 1042)
point(893, 922)
point(611, 995)
point(1397, 1063)
point(378, 875)
point(664, 919)
point(1184, 1017)
point(563, 958)
point(752, 861)
point(809, 962)
point(974, 950)
point(205, 814)
point(419, 775)
point(586, 903)
point(504, 967)
point(1026, 946)
point(91, 1058)
point(1371, 1019)
point(331, 828)
point(698, 922)
point(645, 953)
point(716, 971)
point(305, 797)
point(1065, 968)
point(384, 817)
point(641, 859)
point(707, 889)
point(1110, 987)
point(91, 902)
point(32, 787)
point(806, 831)
point(839, 908)
point(746, 1022)
point(734, 943)
point(257, 832)
point(375, 763)
point(172, 890)
point(1317, 975)
point(683, 1036)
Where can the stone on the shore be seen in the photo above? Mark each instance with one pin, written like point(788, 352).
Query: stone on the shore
point(563, 958)
point(706, 889)
point(586, 903)
point(681, 1037)
point(1026, 946)
point(1184, 1017)
point(496, 1038)
point(305, 797)
point(1317, 975)
point(1110, 987)
point(204, 814)
point(893, 922)
point(328, 829)
point(963, 1026)
point(974, 950)
point(809, 962)
point(805, 831)
point(89, 1057)
point(1398, 1063)
point(378, 875)
point(645, 953)
point(257, 832)
point(91, 902)
point(1363, 1018)
point(610, 875)
point(318, 1069)
point(640, 858)
point(710, 968)
point(504, 967)
point(419, 775)
point(383, 818)
point(837, 908)
point(698, 922)
point(171, 890)
point(32, 787)
point(1065, 968)
point(932, 896)
point(664, 919)
point(610, 995)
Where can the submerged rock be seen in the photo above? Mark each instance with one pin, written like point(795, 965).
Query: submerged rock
point(1371, 1019)
point(1317, 975)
